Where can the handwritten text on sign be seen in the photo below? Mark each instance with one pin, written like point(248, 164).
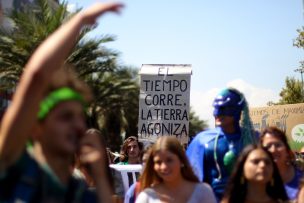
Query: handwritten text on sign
point(164, 101)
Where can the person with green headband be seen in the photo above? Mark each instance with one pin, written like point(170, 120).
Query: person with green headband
point(48, 109)
point(212, 153)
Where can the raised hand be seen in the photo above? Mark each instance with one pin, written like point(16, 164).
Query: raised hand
point(92, 154)
point(93, 12)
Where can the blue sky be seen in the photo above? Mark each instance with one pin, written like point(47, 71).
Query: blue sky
point(244, 44)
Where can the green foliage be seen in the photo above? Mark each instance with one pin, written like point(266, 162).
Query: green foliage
point(31, 25)
point(195, 124)
point(116, 104)
point(115, 88)
point(292, 92)
point(299, 41)
point(115, 107)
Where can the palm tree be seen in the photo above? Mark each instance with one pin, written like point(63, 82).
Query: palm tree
point(115, 108)
point(113, 87)
point(31, 25)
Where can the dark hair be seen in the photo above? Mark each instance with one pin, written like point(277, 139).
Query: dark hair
point(236, 190)
point(124, 148)
point(171, 144)
point(279, 134)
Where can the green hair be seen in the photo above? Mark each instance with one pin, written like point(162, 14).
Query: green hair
point(247, 130)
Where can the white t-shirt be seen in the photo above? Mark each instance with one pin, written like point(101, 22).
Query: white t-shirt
point(201, 193)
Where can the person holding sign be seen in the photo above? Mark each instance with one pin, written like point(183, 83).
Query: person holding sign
point(212, 153)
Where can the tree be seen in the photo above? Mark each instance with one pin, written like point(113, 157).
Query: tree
point(115, 107)
point(31, 25)
point(195, 124)
point(292, 92)
point(299, 41)
point(112, 85)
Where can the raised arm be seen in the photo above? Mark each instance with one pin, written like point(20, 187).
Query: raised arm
point(49, 56)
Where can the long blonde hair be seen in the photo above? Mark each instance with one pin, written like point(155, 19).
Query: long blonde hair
point(150, 177)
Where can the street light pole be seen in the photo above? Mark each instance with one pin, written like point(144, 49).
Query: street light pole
point(301, 71)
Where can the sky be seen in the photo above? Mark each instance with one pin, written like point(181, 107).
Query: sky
point(243, 44)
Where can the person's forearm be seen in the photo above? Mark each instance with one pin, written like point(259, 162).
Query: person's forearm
point(103, 190)
point(99, 175)
point(21, 115)
point(52, 53)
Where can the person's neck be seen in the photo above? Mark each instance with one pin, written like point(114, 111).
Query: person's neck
point(175, 184)
point(133, 161)
point(229, 130)
point(287, 172)
point(257, 191)
point(59, 165)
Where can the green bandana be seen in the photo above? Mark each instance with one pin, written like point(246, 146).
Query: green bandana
point(55, 97)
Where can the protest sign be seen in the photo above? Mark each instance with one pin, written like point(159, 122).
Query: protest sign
point(289, 118)
point(164, 101)
point(127, 174)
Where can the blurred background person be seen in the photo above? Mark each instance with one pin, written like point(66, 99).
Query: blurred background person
point(168, 176)
point(93, 149)
point(134, 189)
point(275, 141)
point(299, 161)
point(48, 108)
point(131, 151)
point(130, 154)
point(300, 197)
point(255, 179)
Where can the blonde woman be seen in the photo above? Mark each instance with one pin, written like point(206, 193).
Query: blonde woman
point(168, 176)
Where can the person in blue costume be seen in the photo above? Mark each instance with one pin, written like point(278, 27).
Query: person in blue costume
point(212, 153)
point(275, 141)
point(48, 108)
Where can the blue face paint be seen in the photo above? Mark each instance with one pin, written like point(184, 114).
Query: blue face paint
point(225, 111)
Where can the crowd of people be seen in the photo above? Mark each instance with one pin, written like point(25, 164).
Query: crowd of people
point(66, 162)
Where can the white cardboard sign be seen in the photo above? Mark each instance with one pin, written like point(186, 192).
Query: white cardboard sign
point(164, 101)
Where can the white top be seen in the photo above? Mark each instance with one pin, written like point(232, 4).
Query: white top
point(201, 193)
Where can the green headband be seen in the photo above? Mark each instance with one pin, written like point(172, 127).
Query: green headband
point(55, 97)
